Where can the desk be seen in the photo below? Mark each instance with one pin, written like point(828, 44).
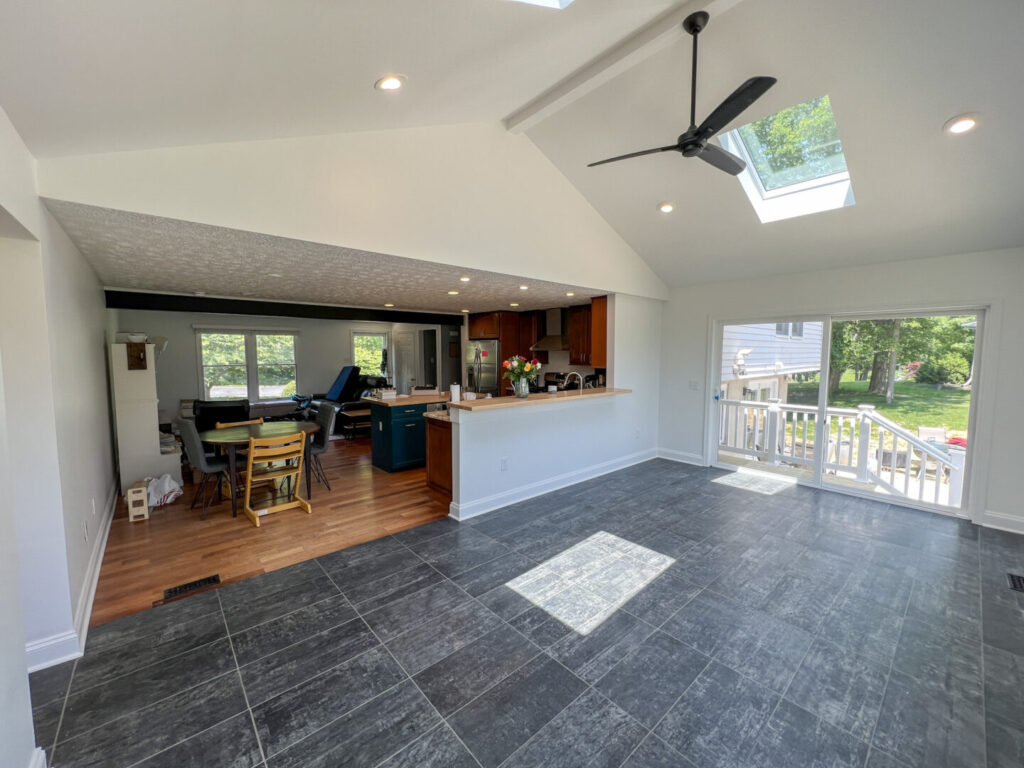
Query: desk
point(234, 437)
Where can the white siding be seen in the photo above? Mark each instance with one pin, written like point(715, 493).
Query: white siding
point(770, 354)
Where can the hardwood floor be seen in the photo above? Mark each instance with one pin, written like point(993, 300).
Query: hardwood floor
point(174, 546)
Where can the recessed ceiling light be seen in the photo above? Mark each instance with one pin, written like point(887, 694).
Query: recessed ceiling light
point(389, 305)
point(524, 287)
point(514, 304)
point(273, 274)
point(466, 311)
point(453, 293)
point(666, 207)
point(464, 279)
point(960, 124)
point(569, 293)
point(200, 293)
point(560, 5)
point(390, 83)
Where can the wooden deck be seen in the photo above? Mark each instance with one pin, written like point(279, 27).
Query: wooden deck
point(174, 546)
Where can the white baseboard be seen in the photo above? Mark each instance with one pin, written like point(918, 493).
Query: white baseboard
point(464, 511)
point(1002, 521)
point(38, 758)
point(682, 456)
point(71, 645)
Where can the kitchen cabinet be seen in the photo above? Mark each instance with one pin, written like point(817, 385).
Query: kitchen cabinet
point(579, 335)
point(439, 455)
point(532, 328)
point(485, 326)
point(398, 438)
point(599, 332)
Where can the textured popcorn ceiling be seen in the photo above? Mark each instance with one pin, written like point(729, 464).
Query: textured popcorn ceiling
point(149, 253)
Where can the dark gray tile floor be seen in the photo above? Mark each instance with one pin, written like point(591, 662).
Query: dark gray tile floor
point(650, 617)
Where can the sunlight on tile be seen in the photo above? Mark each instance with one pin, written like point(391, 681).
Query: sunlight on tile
point(758, 482)
point(587, 583)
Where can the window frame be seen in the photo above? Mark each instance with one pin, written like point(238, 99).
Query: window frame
point(387, 348)
point(252, 364)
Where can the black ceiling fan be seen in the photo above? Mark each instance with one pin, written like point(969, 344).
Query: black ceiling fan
point(694, 142)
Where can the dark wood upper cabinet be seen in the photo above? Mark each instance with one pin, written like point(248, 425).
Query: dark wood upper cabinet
point(508, 334)
point(599, 332)
point(532, 328)
point(484, 326)
point(579, 335)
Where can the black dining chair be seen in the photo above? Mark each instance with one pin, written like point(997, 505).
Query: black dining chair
point(325, 416)
point(211, 466)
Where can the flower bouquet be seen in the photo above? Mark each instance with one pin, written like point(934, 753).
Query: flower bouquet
point(521, 372)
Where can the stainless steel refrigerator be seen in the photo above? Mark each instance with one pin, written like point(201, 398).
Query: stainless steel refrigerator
point(482, 367)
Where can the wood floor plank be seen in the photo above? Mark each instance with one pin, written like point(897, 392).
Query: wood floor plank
point(174, 546)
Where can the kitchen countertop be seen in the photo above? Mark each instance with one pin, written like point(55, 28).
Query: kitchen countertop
point(438, 415)
point(410, 400)
point(539, 398)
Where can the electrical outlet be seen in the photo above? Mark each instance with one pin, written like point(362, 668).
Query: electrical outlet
point(503, 464)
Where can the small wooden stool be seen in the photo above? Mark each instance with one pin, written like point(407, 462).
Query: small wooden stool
point(138, 501)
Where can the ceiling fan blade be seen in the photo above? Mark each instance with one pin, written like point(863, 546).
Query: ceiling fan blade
point(634, 154)
point(723, 160)
point(731, 108)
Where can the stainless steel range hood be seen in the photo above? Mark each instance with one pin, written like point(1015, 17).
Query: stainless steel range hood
point(557, 338)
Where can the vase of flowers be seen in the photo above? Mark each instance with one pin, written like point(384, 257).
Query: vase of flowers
point(521, 372)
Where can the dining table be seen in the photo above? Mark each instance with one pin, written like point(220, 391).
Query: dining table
point(233, 438)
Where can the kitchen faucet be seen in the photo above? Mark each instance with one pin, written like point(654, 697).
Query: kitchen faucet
point(578, 376)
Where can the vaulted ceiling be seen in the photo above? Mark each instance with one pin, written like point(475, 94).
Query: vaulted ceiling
point(114, 74)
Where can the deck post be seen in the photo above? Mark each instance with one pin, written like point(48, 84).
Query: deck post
point(864, 440)
point(957, 456)
point(774, 411)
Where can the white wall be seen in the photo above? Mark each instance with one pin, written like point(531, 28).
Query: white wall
point(553, 445)
point(995, 279)
point(322, 347)
point(472, 195)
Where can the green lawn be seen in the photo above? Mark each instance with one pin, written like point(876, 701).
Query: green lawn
point(913, 405)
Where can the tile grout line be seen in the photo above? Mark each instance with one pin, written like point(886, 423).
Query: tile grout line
point(407, 677)
point(241, 683)
point(63, 708)
point(981, 638)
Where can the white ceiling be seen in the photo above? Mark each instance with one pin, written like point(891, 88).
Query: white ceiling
point(148, 253)
point(896, 71)
point(107, 75)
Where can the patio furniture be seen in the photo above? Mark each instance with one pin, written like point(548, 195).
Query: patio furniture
point(932, 434)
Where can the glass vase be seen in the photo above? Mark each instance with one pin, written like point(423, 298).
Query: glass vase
point(521, 387)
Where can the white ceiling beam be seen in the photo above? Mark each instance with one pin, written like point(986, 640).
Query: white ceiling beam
point(626, 54)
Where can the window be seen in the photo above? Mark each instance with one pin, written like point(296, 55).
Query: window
point(795, 162)
point(782, 329)
point(790, 330)
point(369, 352)
point(249, 364)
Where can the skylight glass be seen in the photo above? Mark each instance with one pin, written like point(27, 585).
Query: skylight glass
point(795, 161)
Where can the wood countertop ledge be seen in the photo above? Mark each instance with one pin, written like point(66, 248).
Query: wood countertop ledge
point(540, 398)
point(410, 400)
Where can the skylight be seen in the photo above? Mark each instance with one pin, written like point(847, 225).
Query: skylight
point(795, 161)
point(559, 4)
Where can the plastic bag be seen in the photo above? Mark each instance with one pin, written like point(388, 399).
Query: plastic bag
point(162, 490)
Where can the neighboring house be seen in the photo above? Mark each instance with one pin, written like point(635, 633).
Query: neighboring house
point(759, 359)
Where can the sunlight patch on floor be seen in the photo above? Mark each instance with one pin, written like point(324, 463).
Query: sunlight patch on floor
point(758, 482)
point(587, 583)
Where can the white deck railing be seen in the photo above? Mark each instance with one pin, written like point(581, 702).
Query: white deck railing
point(860, 443)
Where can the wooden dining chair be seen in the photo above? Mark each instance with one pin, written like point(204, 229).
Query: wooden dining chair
point(246, 423)
point(275, 458)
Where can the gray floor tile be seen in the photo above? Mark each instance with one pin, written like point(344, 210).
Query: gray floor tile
point(440, 748)
point(460, 551)
point(659, 599)
point(718, 719)
point(353, 573)
point(648, 681)
point(591, 731)
point(231, 743)
point(267, 585)
point(1004, 684)
point(362, 554)
point(591, 656)
point(952, 605)
point(151, 622)
point(371, 595)
point(493, 574)
point(241, 616)
point(301, 711)
point(272, 636)
point(364, 736)
point(1004, 741)
point(500, 721)
point(927, 728)
point(273, 674)
point(655, 753)
point(864, 627)
point(45, 720)
point(50, 684)
point(886, 586)
point(794, 737)
point(422, 533)
point(841, 688)
point(144, 732)
point(404, 614)
point(506, 602)
point(878, 759)
point(102, 703)
point(1003, 620)
point(803, 601)
point(540, 627)
point(431, 641)
point(465, 674)
point(939, 658)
